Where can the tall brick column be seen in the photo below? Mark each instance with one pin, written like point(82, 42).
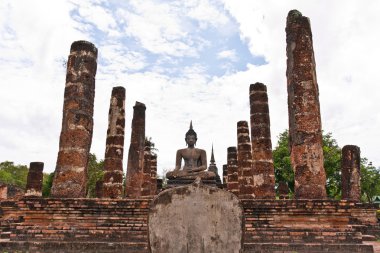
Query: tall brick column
point(70, 177)
point(232, 171)
point(113, 161)
point(263, 170)
point(225, 176)
point(34, 180)
point(147, 178)
point(244, 157)
point(153, 174)
point(135, 175)
point(305, 134)
point(351, 173)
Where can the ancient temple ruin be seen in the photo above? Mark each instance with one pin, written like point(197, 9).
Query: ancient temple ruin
point(240, 215)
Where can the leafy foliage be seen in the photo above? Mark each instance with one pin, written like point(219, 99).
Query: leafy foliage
point(332, 160)
point(370, 181)
point(13, 174)
point(47, 183)
point(95, 173)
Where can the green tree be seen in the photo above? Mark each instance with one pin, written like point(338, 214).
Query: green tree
point(13, 174)
point(47, 183)
point(370, 181)
point(95, 173)
point(332, 158)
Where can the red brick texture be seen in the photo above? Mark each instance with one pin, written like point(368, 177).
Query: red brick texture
point(70, 177)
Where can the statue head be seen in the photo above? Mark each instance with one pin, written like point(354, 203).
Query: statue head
point(191, 136)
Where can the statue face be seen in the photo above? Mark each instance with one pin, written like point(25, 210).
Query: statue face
point(191, 140)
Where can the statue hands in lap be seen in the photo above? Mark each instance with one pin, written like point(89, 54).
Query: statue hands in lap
point(194, 158)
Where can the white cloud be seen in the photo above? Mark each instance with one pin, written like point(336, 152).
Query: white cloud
point(34, 41)
point(228, 54)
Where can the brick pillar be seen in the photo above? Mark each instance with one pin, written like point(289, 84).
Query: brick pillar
point(135, 175)
point(263, 170)
point(232, 171)
point(113, 161)
point(153, 174)
point(34, 180)
point(70, 177)
point(3, 191)
point(225, 176)
point(351, 173)
point(305, 134)
point(244, 158)
point(147, 177)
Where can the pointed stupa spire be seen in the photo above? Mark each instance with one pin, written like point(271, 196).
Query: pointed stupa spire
point(212, 161)
point(191, 124)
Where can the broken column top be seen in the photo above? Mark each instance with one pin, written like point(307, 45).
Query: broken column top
point(118, 90)
point(139, 105)
point(84, 45)
point(293, 14)
point(257, 87)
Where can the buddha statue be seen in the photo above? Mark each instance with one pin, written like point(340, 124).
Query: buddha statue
point(194, 158)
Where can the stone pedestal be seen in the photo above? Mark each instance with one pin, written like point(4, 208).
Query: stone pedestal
point(305, 131)
point(70, 178)
point(351, 173)
point(197, 219)
point(263, 170)
point(113, 161)
point(34, 180)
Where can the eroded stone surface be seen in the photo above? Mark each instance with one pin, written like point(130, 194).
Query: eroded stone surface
point(351, 173)
point(3, 191)
point(262, 158)
point(70, 177)
point(135, 175)
point(195, 218)
point(34, 179)
point(244, 160)
point(147, 179)
point(304, 112)
point(225, 176)
point(153, 174)
point(232, 171)
point(113, 161)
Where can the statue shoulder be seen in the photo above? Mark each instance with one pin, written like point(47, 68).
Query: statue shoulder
point(200, 150)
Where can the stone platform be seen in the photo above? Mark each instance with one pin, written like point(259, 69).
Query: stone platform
point(105, 225)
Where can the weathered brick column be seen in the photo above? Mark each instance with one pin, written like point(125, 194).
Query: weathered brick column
point(70, 177)
point(34, 180)
point(113, 161)
point(225, 176)
point(3, 191)
point(305, 134)
point(147, 177)
point(135, 175)
point(232, 171)
point(351, 173)
point(263, 170)
point(153, 174)
point(244, 157)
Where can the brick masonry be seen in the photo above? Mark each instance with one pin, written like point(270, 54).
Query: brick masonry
point(351, 173)
point(280, 224)
point(34, 179)
point(305, 131)
point(135, 174)
point(244, 160)
point(70, 178)
point(113, 161)
point(153, 174)
point(232, 171)
point(262, 158)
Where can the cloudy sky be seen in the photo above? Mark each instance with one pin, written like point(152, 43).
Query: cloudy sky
point(186, 60)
